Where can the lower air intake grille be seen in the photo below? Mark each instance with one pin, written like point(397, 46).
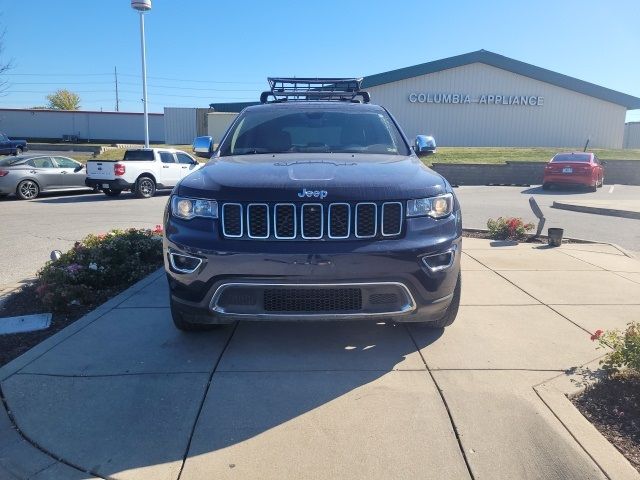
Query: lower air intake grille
point(312, 299)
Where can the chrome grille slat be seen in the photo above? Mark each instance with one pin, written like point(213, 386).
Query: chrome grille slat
point(258, 220)
point(312, 220)
point(232, 220)
point(337, 223)
point(391, 224)
point(311, 228)
point(366, 227)
point(285, 225)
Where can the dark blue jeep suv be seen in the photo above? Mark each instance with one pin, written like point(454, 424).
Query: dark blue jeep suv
point(314, 207)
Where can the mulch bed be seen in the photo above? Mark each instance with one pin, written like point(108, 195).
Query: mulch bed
point(612, 405)
point(25, 302)
point(472, 233)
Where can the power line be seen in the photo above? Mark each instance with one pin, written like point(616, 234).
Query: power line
point(170, 79)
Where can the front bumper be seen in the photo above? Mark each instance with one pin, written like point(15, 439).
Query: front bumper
point(117, 184)
point(311, 264)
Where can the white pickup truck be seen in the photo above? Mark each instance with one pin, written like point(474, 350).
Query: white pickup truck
point(142, 170)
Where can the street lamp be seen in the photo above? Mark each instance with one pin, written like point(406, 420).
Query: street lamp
point(143, 6)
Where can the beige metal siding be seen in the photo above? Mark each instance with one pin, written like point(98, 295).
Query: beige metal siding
point(566, 119)
point(179, 125)
point(632, 135)
point(217, 124)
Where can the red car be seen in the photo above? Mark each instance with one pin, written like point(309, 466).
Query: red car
point(574, 168)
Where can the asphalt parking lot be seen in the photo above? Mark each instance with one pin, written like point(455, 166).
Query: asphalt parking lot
point(32, 229)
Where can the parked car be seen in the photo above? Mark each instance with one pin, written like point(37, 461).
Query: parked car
point(29, 175)
point(12, 147)
point(574, 168)
point(314, 208)
point(142, 170)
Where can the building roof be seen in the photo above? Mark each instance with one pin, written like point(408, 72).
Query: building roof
point(488, 58)
point(511, 65)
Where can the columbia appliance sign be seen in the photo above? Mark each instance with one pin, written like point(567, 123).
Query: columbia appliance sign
point(484, 99)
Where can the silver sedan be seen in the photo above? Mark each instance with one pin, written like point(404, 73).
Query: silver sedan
point(29, 175)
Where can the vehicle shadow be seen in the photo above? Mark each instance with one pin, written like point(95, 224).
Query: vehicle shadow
point(96, 197)
point(268, 375)
point(564, 190)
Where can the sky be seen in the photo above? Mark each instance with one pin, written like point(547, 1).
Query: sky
point(203, 51)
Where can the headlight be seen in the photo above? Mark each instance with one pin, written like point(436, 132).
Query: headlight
point(188, 208)
point(436, 207)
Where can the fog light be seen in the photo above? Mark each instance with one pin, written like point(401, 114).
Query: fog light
point(439, 261)
point(184, 263)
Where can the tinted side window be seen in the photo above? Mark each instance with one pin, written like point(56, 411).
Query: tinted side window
point(133, 155)
point(184, 158)
point(65, 162)
point(42, 162)
point(167, 157)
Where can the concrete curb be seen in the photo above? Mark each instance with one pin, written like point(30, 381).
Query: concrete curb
point(30, 355)
point(610, 212)
point(555, 394)
point(27, 459)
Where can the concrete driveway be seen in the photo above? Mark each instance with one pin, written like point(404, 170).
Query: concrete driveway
point(121, 394)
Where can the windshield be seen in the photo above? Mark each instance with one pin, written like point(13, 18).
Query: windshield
point(572, 157)
point(314, 131)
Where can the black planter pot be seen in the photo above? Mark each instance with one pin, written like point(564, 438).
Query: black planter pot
point(555, 236)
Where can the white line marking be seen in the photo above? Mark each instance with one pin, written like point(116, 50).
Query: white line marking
point(611, 189)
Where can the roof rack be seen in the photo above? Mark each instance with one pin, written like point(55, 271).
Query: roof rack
point(337, 89)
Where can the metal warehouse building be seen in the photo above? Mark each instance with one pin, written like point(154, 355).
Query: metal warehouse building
point(485, 99)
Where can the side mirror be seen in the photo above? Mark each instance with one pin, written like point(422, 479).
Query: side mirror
point(78, 168)
point(203, 146)
point(425, 145)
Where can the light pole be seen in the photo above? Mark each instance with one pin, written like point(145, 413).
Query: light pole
point(143, 6)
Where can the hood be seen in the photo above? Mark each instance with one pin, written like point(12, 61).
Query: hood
point(287, 177)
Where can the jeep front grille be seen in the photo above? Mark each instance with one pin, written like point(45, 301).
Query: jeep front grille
point(312, 221)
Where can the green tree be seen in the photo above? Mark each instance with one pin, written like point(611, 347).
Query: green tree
point(64, 100)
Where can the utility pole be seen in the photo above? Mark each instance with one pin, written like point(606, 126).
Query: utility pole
point(115, 71)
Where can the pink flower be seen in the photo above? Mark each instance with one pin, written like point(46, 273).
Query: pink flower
point(158, 229)
point(596, 335)
point(74, 268)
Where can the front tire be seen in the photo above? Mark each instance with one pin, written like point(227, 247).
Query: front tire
point(452, 310)
point(27, 190)
point(145, 187)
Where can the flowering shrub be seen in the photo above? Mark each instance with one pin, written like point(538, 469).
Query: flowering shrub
point(625, 345)
point(99, 266)
point(508, 228)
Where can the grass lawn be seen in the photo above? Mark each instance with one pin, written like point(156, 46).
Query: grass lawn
point(444, 155)
point(118, 153)
point(502, 154)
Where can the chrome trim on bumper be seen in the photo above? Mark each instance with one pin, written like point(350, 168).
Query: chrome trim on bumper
point(408, 307)
point(182, 270)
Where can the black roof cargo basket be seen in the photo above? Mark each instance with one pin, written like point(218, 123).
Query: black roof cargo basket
point(306, 89)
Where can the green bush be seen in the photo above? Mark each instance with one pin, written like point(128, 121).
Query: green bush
point(508, 228)
point(99, 266)
point(625, 347)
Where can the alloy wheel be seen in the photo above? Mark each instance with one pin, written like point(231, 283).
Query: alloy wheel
point(28, 190)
